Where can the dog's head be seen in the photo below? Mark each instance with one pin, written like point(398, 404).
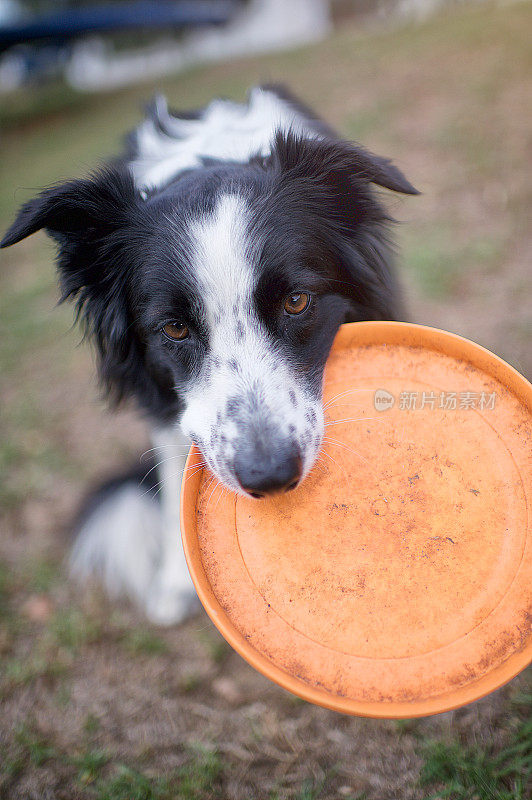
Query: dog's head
point(216, 299)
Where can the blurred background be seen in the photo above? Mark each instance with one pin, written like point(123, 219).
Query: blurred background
point(94, 702)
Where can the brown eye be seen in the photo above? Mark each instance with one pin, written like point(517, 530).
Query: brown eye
point(175, 331)
point(296, 303)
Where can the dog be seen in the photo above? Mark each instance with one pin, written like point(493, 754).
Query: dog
point(212, 265)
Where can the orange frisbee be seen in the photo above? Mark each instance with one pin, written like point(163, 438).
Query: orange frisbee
point(396, 581)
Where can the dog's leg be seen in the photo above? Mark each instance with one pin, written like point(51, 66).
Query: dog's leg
point(172, 597)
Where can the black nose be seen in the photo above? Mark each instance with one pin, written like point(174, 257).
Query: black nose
point(260, 474)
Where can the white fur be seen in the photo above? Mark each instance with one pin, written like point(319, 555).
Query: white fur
point(120, 544)
point(133, 543)
point(226, 130)
point(172, 595)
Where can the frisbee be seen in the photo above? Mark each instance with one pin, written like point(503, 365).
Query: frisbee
point(396, 580)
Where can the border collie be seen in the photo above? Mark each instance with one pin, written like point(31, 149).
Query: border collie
point(212, 265)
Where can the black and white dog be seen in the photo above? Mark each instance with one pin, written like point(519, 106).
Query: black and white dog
point(212, 266)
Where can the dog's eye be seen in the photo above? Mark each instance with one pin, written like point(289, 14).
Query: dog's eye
point(175, 331)
point(296, 302)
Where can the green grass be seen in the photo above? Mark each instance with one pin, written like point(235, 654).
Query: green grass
point(34, 746)
point(30, 746)
point(197, 780)
point(438, 261)
point(39, 575)
point(56, 641)
point(129, 784)
point(189, 682)
point(71, 629)
point(101, 777)
point(406, 726)
point(5, 589)
point(89, 765)
point(361, 125)
point(33, 333)
point(28, 316)
point(312, 789)
point(142, 641)
point(200, 776)
point(475, 772)
point(215, 645)
point(91, 725)
point(18, 671)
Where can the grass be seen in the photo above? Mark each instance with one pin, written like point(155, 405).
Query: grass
point(39, 575)
point(144, 641)
point(438, 262)
point(129, 784)
point(34, 746)
point(5, 589)
point(118, 702)
point(311, 789)
point(89, 765)
point(197, 779)
point(483, 772)
point(215, 645)
point(71, 629)
point(40, 321)
point(201, 776)
point(21, 671)
point(91, 725)
point(56, 636)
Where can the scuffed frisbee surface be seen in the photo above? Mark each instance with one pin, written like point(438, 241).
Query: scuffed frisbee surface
point(397, 580)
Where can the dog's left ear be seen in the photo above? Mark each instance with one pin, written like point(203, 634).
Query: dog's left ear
point(381, 171)
point(335, 161)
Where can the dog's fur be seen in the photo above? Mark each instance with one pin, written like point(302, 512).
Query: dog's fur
point(212, 219)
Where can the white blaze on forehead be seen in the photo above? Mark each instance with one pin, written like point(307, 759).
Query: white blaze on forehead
point(222, 258)
point(226, 279)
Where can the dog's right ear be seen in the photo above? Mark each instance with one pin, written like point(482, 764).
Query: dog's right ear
point(335, 162)
point(55, 209)
point(89, 207)
point(91, 222)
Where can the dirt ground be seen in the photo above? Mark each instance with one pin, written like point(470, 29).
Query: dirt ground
point(96, 703)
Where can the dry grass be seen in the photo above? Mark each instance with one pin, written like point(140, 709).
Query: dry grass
point(94, 703)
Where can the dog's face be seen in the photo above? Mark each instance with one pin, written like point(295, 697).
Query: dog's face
point(243, 318)
point(215, 301)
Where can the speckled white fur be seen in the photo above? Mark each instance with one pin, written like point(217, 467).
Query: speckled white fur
point(243, 361)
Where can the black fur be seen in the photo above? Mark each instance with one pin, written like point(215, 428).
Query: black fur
point(314, 207)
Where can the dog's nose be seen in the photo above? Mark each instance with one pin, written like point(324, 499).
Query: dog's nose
point(259, 475)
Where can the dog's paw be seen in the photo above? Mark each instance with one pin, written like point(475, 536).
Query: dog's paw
point(171, 605)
